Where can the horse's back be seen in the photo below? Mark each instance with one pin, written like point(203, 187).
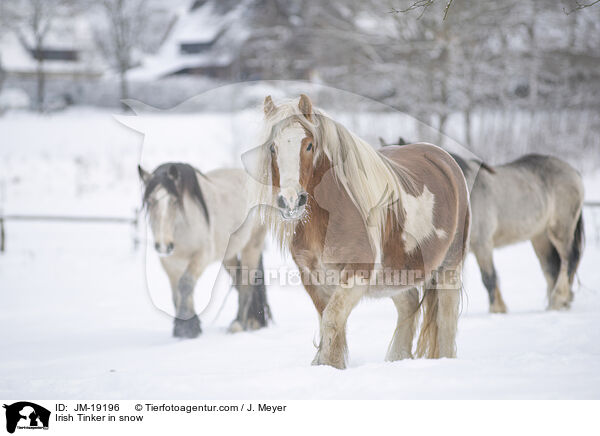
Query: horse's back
point(556, 174)
point(228, 178)
point(229, 191)
point(522, 198)
point(430, 163)
point(416, 157)
point(436, 173)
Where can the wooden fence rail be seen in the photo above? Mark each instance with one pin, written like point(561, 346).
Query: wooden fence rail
point(133, 221)
point(108, 219)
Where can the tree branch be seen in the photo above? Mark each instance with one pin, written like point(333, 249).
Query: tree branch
point(424, 5)
point(579, 6)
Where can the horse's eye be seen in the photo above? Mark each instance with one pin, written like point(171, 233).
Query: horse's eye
point(309, 148)
point(272, 148)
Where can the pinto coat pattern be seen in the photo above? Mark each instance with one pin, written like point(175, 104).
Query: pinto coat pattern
point(341, 207)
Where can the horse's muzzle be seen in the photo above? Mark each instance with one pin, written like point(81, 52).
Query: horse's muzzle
point(292, 212)
point(164, 249)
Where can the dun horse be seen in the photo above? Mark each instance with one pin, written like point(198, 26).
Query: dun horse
point(537, 198)
point(349, 214)
point(198, 219)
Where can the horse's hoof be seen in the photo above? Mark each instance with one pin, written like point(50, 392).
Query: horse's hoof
point(319, 360)
point(187, 328)
point(253, 324)
point(235, 327)
point(238, 326)
point(559, 305)
point(398, 355)
point(498, 307)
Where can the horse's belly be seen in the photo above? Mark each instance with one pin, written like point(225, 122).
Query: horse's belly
point(517, 231)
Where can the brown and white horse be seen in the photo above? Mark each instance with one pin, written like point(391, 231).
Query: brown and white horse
point(364, 223)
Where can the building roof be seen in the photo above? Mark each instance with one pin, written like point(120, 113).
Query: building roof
point(209, 38)
point(69, 48)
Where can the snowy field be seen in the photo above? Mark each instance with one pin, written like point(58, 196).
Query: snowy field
point(85, 315)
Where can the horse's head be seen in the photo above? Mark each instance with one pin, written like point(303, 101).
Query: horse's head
point(292, 148)
point(162, 197)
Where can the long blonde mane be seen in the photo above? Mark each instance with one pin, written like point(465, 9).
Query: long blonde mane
point(375, 184)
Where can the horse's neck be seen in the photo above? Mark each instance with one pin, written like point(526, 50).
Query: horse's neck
point(334, 219)
point(192, 215)
point(311, 232)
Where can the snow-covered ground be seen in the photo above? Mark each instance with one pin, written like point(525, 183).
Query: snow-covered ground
point(77, 319)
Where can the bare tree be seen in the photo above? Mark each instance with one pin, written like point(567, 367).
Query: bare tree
point(33, 20)
point(578, 6)
point(3, 26)
point(122, 34)
point(423, 5)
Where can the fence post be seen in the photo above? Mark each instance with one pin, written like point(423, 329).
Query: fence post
point(135, 228)
point(2, 235)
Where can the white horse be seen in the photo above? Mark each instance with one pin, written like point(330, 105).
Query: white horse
point(198, 219)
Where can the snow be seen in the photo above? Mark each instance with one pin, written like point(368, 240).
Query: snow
point(79, 322)
point(13, 98)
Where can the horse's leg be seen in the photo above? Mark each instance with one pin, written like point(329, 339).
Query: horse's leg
point(549, 260)
point(407, 304)
point(174, 274)
point(187, 323)
point(441, 301)
point(318, 297)
point(252, 305)
point(485, 260)
point(332, 347)
point(560, 295)
point(447, 319)
point(233, 267)
point(175, 269)
point(313, 282)
point(440, 320)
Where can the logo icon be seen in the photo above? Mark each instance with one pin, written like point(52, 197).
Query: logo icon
point(26, 415)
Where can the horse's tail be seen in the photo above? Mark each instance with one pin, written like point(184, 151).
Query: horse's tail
point(576, 247)
point(259, 309)
point(427, 345)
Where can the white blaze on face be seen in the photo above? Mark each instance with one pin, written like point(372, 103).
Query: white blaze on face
point(288, 144)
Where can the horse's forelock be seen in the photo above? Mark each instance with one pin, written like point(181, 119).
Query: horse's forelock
point(160, 178)
point(186, 182)
point(283, 116)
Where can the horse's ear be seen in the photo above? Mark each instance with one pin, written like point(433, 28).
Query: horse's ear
point(305, 106)
point(144, 175)
point(173, 172)
point(269, 106)
point(381, 141)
